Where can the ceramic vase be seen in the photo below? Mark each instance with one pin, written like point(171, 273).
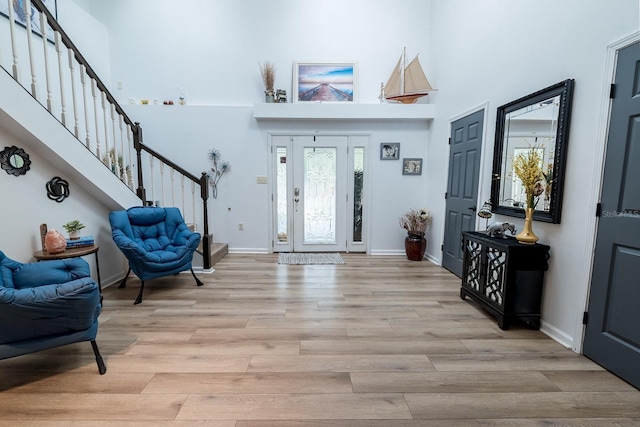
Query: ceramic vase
point(527, 236)
point(269, 96)
point(415, 246)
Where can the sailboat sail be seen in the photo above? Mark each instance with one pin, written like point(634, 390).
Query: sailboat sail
point(408, 84)
point(394, 84)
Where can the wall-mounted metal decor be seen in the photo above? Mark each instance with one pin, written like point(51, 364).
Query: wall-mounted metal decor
point(14, 160)
point(540, 122)
point(57, 189)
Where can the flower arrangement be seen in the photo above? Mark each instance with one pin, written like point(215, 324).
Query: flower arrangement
point(218, 170)
point(416, 221)
point(528, 167)
point(268, 71)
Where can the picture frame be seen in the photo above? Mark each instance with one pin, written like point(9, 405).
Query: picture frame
point(330, 82)
point(389, 151)
point(20, 15)
point(411, 166)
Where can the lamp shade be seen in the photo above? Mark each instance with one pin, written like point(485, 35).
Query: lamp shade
point(485, 210)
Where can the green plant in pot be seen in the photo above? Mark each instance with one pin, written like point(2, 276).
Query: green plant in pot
point(73, 228)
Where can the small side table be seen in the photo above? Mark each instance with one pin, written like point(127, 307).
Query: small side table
point(72, 253)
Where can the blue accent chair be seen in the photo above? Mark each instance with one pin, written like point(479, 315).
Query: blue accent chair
point(156, 242)
point(47, 304)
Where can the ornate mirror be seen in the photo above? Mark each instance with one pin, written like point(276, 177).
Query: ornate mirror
point(538, 121)
point(15, 161)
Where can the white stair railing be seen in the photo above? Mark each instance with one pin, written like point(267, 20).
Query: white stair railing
point(96, 119)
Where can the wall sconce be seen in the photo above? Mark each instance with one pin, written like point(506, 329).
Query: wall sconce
point(485, 212)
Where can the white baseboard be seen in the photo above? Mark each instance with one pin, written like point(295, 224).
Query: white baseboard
point(387, 252)
point(556, 335)
point(248, 251)
point(199, 270)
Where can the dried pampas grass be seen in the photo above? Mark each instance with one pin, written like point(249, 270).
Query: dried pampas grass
point(268, 71)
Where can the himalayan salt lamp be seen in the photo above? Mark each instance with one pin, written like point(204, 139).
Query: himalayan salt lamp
point(55, 242)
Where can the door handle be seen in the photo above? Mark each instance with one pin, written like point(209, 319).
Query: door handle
point(473, 208)
point(296, 197)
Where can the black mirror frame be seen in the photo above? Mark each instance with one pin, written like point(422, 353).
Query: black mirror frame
point(5, 160)
point(565, 90)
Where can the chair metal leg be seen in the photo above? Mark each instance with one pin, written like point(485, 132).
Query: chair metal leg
point(198, 282)
point(139, 297)
point(102, 368)
point(123, 283)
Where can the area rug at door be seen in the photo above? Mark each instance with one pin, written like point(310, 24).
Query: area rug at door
point(309, 258)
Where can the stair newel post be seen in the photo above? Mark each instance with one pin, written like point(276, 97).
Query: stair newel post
point(137, 145)
point(206, 239)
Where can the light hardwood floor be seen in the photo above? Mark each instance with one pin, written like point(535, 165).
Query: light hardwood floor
point(380, 341)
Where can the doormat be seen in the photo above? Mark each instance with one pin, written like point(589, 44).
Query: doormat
point(307, 258)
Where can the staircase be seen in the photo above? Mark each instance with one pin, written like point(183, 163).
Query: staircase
point(52, 97)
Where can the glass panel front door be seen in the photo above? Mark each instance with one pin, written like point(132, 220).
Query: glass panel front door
point(319, 173)
point(318, 193)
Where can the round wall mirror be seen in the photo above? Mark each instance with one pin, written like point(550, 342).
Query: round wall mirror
point(14, 160)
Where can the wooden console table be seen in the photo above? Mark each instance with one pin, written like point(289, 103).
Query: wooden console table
point(72, 253)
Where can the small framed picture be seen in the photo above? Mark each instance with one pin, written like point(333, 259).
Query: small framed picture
point(390, 151)
point(411, 166)
point(324, 82)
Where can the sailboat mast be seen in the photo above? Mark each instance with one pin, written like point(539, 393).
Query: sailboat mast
point(404, 65)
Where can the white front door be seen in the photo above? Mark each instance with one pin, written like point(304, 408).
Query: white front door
point(317, 194)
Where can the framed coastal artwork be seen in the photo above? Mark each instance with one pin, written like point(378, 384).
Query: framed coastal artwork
point(20, 14)
point(325, 82)
point(389, 151)
point(411, 166)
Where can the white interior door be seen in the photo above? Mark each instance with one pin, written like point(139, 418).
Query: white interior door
point(318, 193)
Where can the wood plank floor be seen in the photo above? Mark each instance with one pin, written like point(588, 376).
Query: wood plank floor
point(379, 341)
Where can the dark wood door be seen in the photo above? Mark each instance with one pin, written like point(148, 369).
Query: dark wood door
point(462, 187)
point(612, 336)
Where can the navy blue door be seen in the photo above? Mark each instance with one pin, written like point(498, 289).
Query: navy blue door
point(462, 187)
point(612, 336)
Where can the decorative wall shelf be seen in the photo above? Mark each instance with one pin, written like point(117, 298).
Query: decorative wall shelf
point(343, 111)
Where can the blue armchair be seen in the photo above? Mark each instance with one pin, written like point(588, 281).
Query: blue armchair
point(155, 241)
point(47, 304)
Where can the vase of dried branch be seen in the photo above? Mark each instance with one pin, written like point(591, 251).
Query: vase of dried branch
point(415, 246)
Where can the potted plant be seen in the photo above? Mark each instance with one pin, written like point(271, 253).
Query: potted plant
point(415, 222)
point(73, 228)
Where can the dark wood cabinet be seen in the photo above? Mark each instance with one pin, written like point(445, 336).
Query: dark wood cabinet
point(504, 277)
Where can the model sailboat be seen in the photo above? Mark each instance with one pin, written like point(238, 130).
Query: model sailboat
point(407, 83)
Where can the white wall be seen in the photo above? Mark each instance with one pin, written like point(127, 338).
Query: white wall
point(26, 206)
point(213, 49)
point(501, 50)
point(88, 35)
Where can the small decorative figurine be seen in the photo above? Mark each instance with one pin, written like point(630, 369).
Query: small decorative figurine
point(497, 229)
